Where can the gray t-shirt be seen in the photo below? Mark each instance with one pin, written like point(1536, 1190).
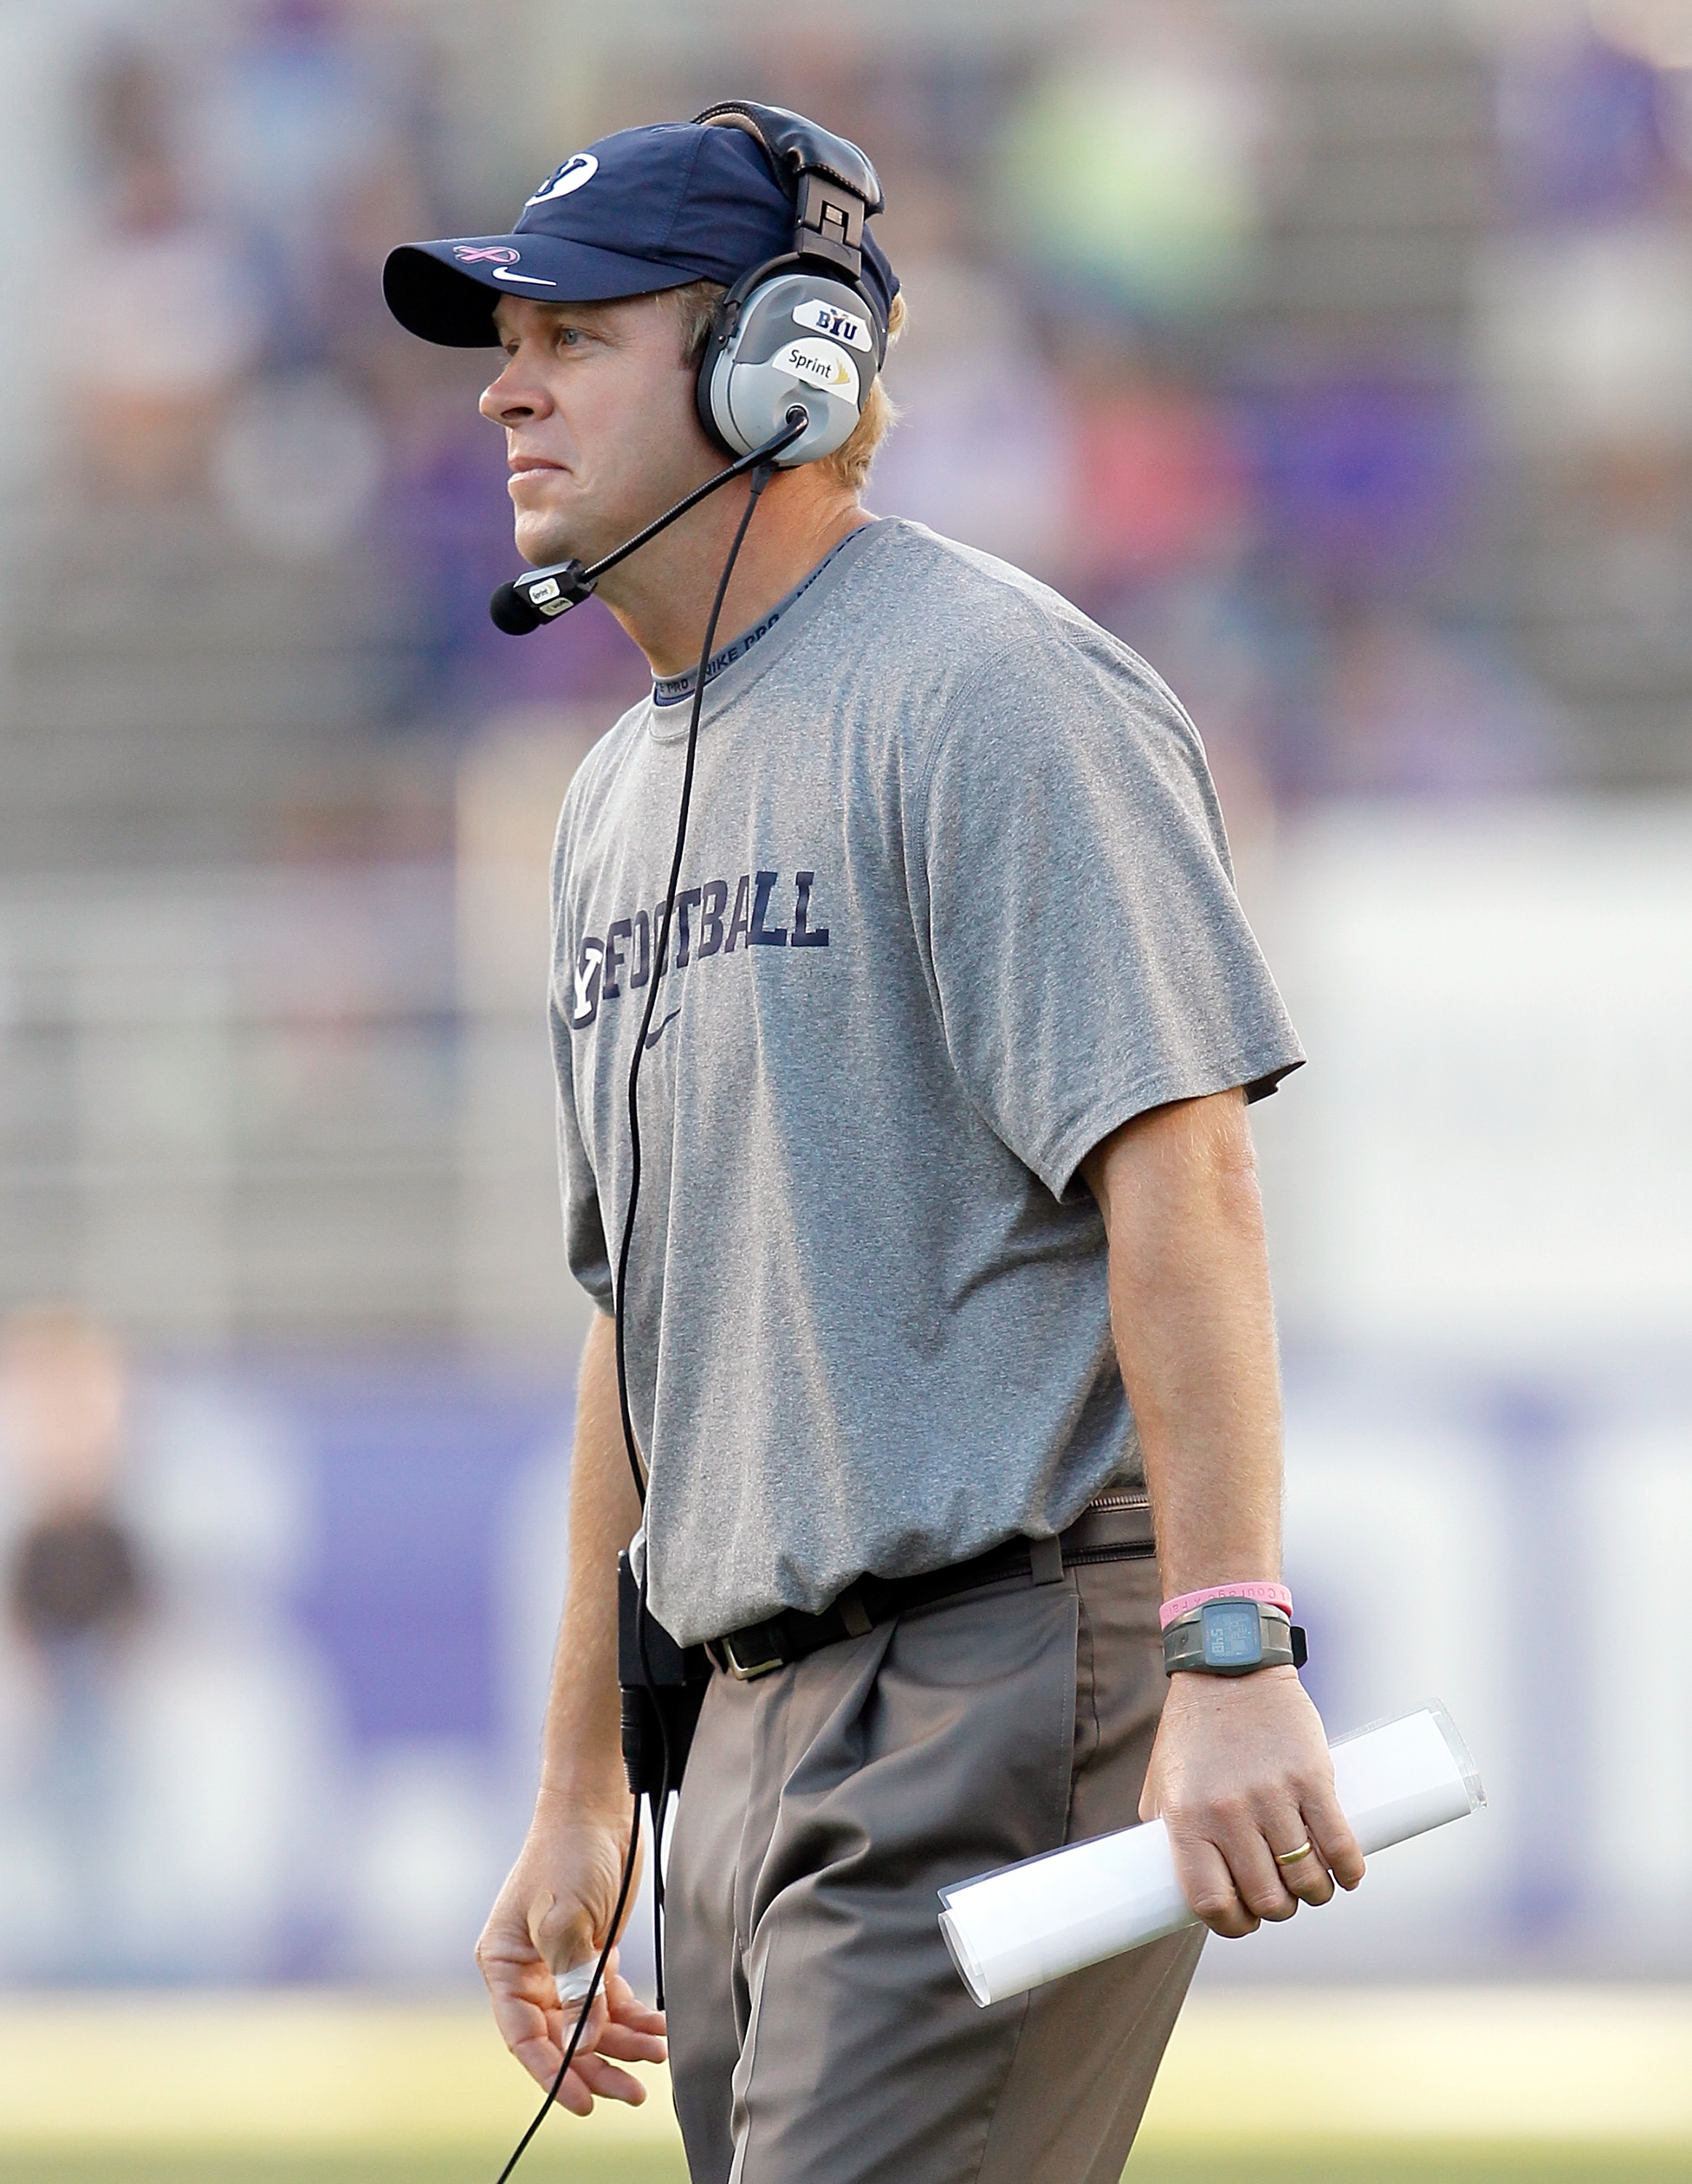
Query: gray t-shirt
point(956, 903)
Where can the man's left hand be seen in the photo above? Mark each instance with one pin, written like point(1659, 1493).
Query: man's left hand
point(1239, 1773)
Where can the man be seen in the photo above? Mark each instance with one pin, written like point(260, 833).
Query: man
point(949, 1247)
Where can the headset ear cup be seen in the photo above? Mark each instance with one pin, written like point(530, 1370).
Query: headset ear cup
point(787, 333)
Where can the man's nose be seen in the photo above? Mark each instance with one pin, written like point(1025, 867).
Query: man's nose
point(515, 397)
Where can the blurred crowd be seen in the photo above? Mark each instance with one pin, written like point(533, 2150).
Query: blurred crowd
point(1306, 516)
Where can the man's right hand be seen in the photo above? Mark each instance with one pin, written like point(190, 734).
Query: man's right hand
point(554, 1912)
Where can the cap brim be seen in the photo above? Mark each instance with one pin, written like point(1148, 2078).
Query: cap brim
point(433, 292)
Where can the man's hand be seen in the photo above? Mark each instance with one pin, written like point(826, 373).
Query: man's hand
point(1240, 1771)
point(556, 1907)
point(554, 1912)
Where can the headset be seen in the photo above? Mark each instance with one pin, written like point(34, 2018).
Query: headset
point(755, 364)
point(772, 398)
point(800, 332)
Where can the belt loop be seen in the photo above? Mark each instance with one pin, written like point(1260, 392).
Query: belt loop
point(853, 1614)
point(1045, 1561)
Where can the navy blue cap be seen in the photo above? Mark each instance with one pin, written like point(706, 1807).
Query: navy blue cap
point(643, 210)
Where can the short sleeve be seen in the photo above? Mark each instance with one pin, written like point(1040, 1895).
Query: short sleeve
point(1073, 891)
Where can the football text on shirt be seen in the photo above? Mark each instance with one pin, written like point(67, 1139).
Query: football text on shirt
point(702, 924)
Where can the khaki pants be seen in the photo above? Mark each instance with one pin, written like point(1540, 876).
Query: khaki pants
point(819, 2033)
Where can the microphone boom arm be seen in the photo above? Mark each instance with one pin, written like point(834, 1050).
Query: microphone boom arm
point(543, 594)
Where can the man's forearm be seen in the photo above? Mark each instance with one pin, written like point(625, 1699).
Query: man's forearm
point(580, 1759)
point(558, 1908)
point(1239, 1772)
point(1195, 1335)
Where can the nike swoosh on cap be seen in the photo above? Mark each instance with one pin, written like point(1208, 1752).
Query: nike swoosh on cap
point(534, 280)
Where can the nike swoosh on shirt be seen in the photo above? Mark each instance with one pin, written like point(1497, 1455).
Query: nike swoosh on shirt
point(652, 1037)
point(534, 280)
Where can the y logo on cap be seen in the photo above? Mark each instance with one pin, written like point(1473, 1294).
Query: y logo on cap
point(570, 176)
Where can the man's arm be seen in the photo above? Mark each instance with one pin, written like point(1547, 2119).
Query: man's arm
point(556, 1907)
point(1240, 1768)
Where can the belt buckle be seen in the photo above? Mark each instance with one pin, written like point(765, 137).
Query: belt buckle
point(748, 1672)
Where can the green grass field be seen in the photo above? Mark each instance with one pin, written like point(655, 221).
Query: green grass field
point(1320, 2164)
point(1469, 2086)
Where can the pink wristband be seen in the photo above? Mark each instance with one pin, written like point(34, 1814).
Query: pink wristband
point(1272, 1596)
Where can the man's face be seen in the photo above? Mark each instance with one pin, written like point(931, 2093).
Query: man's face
point(601, 434)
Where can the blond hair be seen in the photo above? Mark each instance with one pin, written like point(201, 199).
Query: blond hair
point(693, 307)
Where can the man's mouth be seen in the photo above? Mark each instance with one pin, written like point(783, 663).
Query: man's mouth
point(518, 464)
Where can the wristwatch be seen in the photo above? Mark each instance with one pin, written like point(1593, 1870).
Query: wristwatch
point(1231, 1638)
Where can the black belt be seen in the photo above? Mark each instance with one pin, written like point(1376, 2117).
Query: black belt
point(1115, 1528)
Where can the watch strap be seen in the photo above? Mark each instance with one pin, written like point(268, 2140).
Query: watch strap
point(1215, 1639)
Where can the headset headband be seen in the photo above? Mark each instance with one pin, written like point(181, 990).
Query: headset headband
point(834, 187)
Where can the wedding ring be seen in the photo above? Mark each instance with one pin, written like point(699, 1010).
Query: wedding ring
point(1292, 1856)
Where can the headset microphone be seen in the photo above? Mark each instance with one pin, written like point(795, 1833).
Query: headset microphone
point(543, 594)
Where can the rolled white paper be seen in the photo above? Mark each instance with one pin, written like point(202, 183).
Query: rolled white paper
point(1034, 1921)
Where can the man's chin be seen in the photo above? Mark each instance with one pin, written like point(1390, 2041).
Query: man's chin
point(541, 542)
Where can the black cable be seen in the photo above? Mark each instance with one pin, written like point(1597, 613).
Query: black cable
point(761, 477)
point(661, 948)
point(762, 468)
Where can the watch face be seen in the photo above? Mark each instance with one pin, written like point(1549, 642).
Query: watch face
point(1233, 1636)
